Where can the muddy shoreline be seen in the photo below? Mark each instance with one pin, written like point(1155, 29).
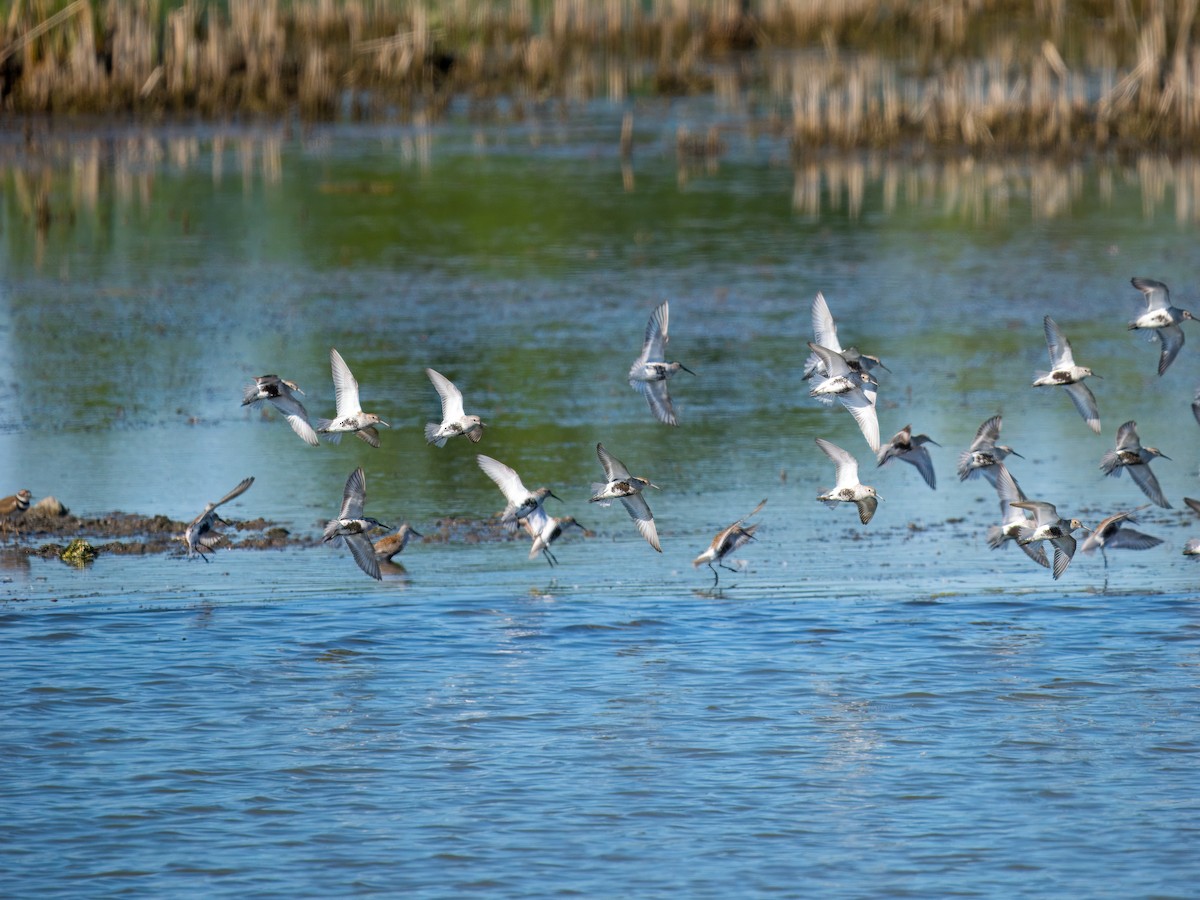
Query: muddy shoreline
point(49, 534)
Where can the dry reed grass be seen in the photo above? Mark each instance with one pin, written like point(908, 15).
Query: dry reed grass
point(984, 74)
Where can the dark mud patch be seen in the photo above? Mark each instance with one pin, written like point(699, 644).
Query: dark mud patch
point(48, 534)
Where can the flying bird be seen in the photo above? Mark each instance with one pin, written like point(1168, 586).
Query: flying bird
point(1132, 457)
point(855, 389)
point(1013, 518)
point(1112, 534)
point(1063, 371)
point(455, 420)
point(984, 453)
point(545, 530)
point(1162, 317)
point(911, 448)
point(521, 500)
point(651, 371)
point(1049, 526)
point(620, 485)
point(848, 489)
point(353, 527)
point(350, 419)
point(727, 541)
point(280, 393)
point(201, 534)
point(825, 335)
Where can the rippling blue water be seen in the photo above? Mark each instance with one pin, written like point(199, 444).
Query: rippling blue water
point(541, 736)
point(893, 710)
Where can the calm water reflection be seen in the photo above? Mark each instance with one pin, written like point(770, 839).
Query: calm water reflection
point(895, 709)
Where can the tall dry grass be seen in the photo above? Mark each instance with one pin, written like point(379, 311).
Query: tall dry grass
point(1029, 74)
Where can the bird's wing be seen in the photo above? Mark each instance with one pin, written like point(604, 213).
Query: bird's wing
point(1085, 401)
point(1129, 539)
point(354, 497)
point(369, 435)
point(1006, 486)
point(506, 479)
point(1172, 341)
point(754, 512)
point(345, 388)
point(243, 486)
point(1064, 549)
point(1127, 437)
point(845, 465)
point(639, 511)
point(659, 399)
point(654, 349)
point(364, 554)
point(835, 364)
point(452, 400)
point(988, 434)
point(1149, 484)
point(251, 393)
point(920, 458)
point(1037, 553)
point(614, 469)
point(863, 410)
point(866, 508)
point(1156, 293)
point(297, 417)
point(824, 328)
point(1059, 346)
point(1042, 512)
point(540, 527)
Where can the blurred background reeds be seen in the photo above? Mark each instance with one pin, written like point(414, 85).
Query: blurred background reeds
point(1005, 75)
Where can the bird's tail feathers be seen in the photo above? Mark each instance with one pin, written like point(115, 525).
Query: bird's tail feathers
point(1110, 463)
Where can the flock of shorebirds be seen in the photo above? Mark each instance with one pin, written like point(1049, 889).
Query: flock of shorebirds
point(837, 374)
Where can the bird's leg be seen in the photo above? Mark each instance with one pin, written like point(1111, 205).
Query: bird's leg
point(716, 575)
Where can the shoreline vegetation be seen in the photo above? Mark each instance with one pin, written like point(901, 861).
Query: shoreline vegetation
point(985, 76)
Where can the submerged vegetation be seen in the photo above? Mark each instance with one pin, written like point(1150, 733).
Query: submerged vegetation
point(982, 74)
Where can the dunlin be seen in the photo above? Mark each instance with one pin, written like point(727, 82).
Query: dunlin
point(1112, 534)
point(545, 530)
point(984, 452)
point(911, 448)
point(353, 527)
point(1161, 316)
point(1012, 519)
point(1063, 371)
point(279, 392)
point(387, 547)
point(728, 540)
point(855, 390)
point(651, 371)
point(628, 489)
point(349, 418)
point(1049, 526)
point(825, 335)
point(521, 501)
point(455, 420)
point(847, 489)
point(1131, 456)
point(201, 534)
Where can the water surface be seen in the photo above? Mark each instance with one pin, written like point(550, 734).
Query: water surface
point(860, 711)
